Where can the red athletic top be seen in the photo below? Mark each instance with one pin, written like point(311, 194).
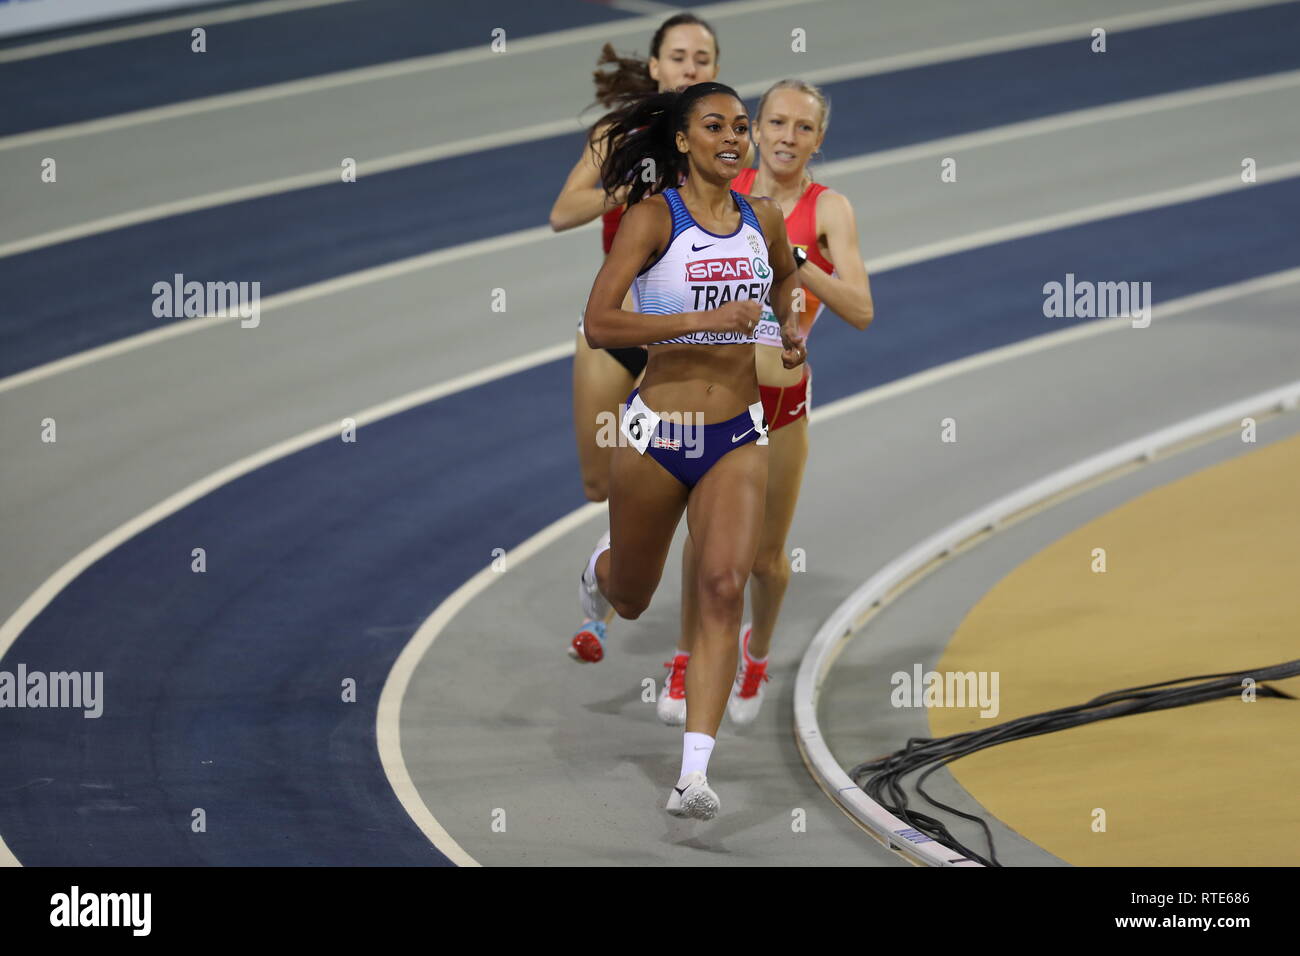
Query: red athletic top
point(610, 219)
point(801, 228)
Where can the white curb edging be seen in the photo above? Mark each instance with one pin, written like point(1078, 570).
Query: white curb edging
point(840, 627)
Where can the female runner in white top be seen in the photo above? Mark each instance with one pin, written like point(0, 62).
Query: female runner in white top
point(699, 133)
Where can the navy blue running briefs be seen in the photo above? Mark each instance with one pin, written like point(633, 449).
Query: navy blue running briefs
point(688, 451)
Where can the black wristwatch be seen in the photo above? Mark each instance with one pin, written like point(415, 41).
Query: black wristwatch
point(800, 257)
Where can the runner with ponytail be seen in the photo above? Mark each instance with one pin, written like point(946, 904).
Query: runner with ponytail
point(700, 260)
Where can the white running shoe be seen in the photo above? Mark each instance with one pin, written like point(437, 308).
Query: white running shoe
point(747, 692)
point(672, 699)
point(692, 797)
point(595, 607)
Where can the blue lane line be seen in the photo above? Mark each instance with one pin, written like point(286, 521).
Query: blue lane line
point(223, 689)
point(150, 71)
point(293, 239)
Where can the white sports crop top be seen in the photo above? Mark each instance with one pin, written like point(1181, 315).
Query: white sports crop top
point(700, 270)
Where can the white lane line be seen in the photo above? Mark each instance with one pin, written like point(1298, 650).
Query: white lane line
point(562, 38)
point(39, 599)
point(1059, 122)
point(1040, 343)
point(388, 723)
point(384, 71)
point(541, 233)
point(1075, 217)
point(426, 154)
point(293, 297)
point(442, 616)
point(186, 21)
point(50, 588)
point(1016, 41)
point(320, 177)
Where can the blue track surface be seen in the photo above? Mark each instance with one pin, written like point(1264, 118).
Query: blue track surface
point(150, 71)
point(93, 26)
point(321, 565)
point(297, 238)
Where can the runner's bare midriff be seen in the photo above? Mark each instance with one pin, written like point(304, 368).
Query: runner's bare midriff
point(717, 381)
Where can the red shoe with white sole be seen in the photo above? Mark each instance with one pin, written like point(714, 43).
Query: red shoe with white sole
point(747, 692)
point(672, 699)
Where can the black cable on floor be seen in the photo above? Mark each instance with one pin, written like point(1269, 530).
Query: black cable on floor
point(885, 774)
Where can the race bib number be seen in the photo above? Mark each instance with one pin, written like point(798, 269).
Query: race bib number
point(639, 424)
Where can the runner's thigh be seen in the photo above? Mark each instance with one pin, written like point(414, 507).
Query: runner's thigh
point(645, 505)
point(725, 515)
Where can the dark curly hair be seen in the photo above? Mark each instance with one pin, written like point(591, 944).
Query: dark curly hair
point(647, 130)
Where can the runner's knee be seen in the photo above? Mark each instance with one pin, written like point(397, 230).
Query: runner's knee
point(629, 608)
point(771, 567)
point(721, 588)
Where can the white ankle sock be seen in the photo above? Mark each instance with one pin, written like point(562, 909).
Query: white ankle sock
point(696, 749)
point(591, 565)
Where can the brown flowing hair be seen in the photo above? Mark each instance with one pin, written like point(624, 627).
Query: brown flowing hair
point(629, 80)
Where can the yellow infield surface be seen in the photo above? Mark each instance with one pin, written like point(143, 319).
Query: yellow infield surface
point(1202, 576)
